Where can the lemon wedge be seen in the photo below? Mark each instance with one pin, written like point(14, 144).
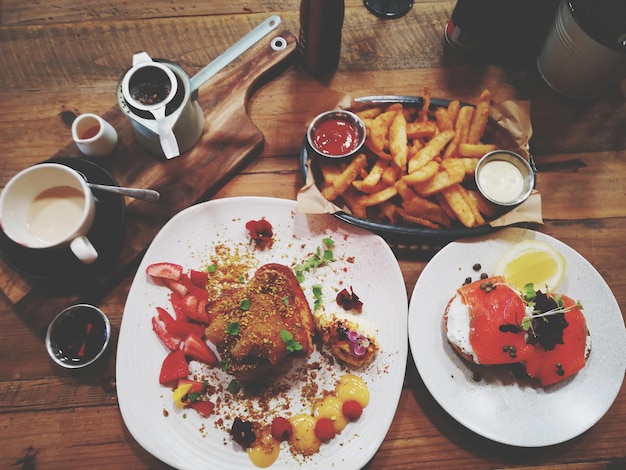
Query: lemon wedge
point(532, 261)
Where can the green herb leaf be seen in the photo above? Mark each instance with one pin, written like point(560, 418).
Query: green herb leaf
point(212, 268)
point(234, 387)
point(244, 304)
point(317, 294)
point(292, 344)
point(233, 328)
point(286, 300)
point(193, 396)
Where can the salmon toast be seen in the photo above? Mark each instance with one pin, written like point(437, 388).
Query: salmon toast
point(489, 322)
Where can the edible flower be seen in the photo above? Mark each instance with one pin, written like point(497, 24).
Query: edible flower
point(349, 300)
point(261, 233)
point(358, 343)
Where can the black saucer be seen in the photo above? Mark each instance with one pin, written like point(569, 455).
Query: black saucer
point(106, 234)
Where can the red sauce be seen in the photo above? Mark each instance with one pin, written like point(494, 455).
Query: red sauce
point(336, 137)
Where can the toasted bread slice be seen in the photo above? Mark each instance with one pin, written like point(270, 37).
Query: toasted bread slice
point(248, 323)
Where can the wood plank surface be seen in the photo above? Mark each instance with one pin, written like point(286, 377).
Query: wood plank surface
point(65, 58)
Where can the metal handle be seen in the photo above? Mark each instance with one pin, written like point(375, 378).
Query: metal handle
point(144, 194)
point(234, 51)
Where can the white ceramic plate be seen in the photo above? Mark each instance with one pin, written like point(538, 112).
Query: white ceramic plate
point(500, 407)
point(364, 261)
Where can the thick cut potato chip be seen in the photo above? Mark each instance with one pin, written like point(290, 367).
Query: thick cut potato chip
point(422, 174)
point(461, 129)
point(475, 150)
point(345, 179)
point(398, 143)
point(479, 118)
point(421, 130)
point(443, 120)
point(458, 204)
point(431, 150)
point(379, 197)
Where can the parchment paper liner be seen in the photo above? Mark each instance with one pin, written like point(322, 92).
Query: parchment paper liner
point(511, 118)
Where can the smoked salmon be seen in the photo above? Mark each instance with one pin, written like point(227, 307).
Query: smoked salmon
point(548, 334)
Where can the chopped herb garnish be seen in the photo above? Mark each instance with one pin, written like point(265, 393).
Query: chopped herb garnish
point(292, 344)
point(317, 294)
point(286, 300)
point(244, 304)
point(233, 328)
point(212, 268)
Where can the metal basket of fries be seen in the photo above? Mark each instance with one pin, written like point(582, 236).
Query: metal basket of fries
point(413, 182)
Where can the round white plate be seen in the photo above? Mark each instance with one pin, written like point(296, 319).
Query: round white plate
point(499, 406)
point(364, 261)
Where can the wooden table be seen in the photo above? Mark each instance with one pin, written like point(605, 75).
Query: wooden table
point(65, 58)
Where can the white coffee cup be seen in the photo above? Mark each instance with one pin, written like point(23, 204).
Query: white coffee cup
point(49, 206)
point(94, 136)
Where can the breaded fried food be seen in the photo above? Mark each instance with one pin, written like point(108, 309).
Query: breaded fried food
point(258, 325)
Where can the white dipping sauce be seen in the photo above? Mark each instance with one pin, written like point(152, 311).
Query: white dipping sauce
point(501, 181)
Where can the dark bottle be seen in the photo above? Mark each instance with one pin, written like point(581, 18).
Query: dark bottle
point(319, 43)
point(469, 24)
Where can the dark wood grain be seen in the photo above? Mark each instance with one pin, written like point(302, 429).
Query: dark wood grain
point(64, 58)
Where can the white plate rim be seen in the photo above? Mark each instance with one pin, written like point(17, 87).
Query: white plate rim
point(448, 377)
point(364, 436)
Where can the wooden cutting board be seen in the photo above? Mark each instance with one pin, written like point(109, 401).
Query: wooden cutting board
point(228, 140)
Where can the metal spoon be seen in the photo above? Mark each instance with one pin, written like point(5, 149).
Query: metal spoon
point(144, 194)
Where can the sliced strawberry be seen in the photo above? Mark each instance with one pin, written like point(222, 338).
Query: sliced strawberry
point(182, 329)
point(195, 348)
point(195, 308)
point(179, 328)
point(177, 305)
point(204, 408)
point(165, 270)
point(177, 287)
point(174, 367)
point(199, 278)
point(160, 328)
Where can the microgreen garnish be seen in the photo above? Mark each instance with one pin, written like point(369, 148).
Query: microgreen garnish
point(544, 319)
point(323, 255)
point(317, 294)
point(233, 328)
point(292, 344)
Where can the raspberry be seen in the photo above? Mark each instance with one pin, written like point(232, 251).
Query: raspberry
point(352, 410)
point(324, 429)
point(281, 429)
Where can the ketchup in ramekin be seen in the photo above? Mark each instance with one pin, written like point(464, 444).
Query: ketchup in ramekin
point(336, 134)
